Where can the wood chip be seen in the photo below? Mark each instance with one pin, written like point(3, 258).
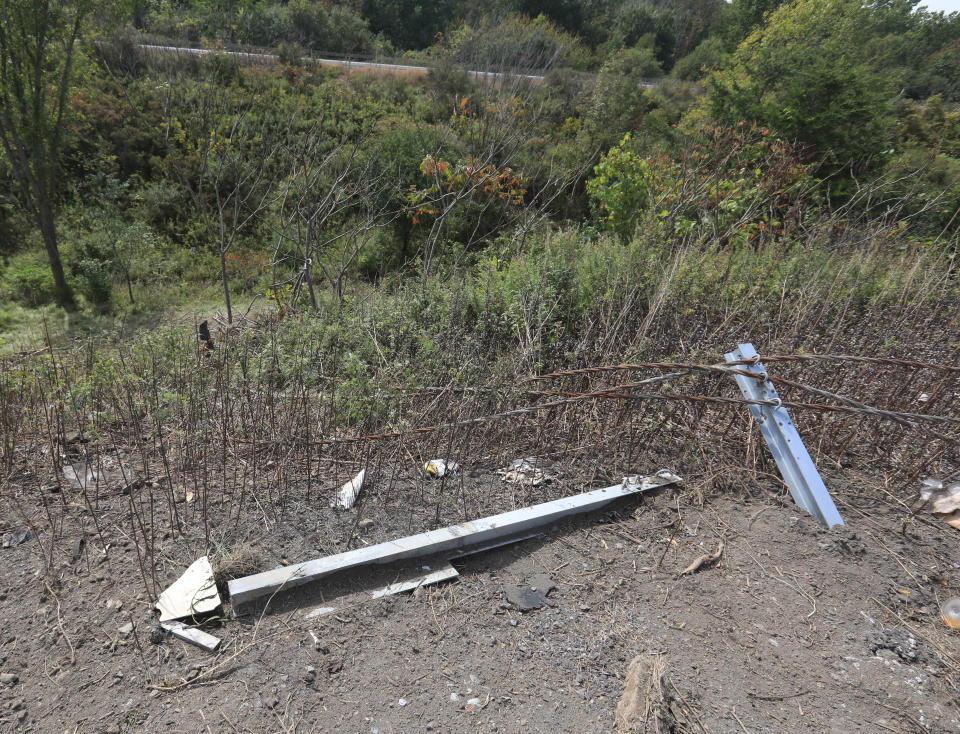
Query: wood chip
point(703, 560)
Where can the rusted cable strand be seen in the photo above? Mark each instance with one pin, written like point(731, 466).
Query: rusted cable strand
point(575, 398)
point(685, 366)
point(730, 366)
point(896, 415)
point(900, 418)
point(904, 419)
point(856, 358)
point(615, 393)
point(858, 409)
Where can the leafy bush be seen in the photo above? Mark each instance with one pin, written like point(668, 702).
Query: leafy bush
point(91, 265)
point(620, 188)
point(28, 280)
point(798, 74)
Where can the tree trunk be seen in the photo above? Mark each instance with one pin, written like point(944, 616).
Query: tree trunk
point(48, 230)
point(226, 284)
point(307, 254)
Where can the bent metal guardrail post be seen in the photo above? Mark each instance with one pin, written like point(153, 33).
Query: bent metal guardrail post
point(796, 466)
point(484, 531)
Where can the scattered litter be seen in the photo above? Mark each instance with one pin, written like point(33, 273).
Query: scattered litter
point(643, 706)
point(950, 611)
point(126, 629)
point(192, 635)
point(924, 397)
point(319, 612)
point(349, 491)
point(704, 560)
point(944, 500)
point(189, 497)
point(431, 577)
point(17, 537)
point(450, 540)
point(438, 468)
point(78, 475)
point(525, 472)
point(533, 595)
point(195, 592)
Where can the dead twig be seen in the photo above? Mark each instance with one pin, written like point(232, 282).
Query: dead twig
point(704, 560)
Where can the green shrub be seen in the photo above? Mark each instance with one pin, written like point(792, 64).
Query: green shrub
point(28, 280)
point(91, 264)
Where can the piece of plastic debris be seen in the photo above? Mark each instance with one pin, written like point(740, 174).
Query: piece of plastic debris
point(17, 537)
point(944, 500)
point(438, 468)
point(950, 611)
point(319, 612)
point(526, 472)
point(195, 592)
point(192, 635)
point(347, 496)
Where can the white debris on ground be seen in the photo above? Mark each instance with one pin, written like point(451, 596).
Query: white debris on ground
point(195, 592)
point(347, 496)
point(527, 472)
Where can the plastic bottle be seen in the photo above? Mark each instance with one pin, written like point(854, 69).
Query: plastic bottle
point(950, 611)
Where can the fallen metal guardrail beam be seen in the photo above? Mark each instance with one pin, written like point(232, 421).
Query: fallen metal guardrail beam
point(796, 466)
point(434, 542)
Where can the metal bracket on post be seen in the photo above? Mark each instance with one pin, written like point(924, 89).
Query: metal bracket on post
point(796, 466)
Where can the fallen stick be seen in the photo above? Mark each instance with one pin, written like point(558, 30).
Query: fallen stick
point(703, 560)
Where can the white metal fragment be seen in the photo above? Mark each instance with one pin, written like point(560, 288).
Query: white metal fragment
point(433, 577)
point(195, 592)
point(349, 491)
point(192, 635)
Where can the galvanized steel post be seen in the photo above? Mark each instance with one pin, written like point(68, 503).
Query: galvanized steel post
point(796, 466)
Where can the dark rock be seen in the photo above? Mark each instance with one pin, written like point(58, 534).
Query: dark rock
point(532, 595)
point(17, 537)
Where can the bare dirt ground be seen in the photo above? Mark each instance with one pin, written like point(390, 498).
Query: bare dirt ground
point(794, 629)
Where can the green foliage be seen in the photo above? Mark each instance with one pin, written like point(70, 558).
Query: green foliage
point(705, 58)
point(797, 74)
point(620, 100)
point(409, 24)
point(513, 42)
point(636, 21)
point(620, 188)
point(28, 279)
point(732, 185)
